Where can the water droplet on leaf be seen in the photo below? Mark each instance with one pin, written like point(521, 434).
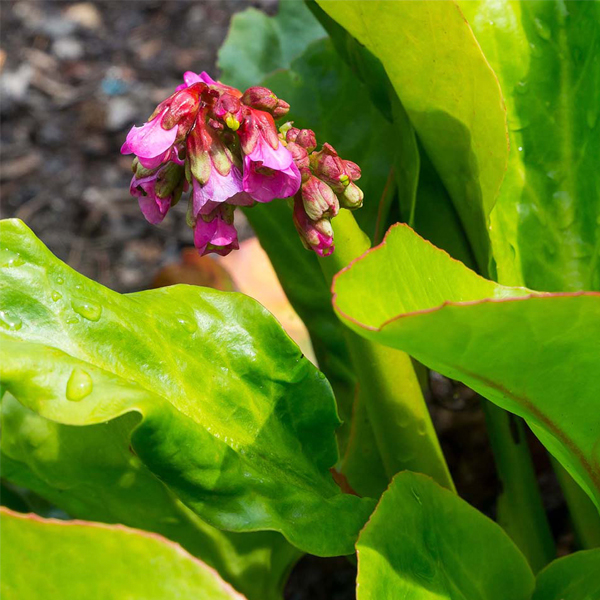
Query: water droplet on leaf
point(56, 296)
point(87, 310)
point(188, 324)
point(60, 280)
point(79, 385)
point(10, 322)
point(8, 258)
point(522, 87)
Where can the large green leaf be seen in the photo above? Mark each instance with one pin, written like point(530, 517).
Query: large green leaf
point(258, 44)
point(91, 473)
point(232, 417)
point(449, 92)
point(532, 354)
point(424, 542)
point(71, 560)
point(546, 224)
point(573, 577)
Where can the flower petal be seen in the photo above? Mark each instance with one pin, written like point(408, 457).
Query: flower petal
point(150, 140)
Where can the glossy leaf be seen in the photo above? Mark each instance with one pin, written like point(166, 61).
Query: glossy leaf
point(258, 44)
point(573, 577)
point(449, 92)
point(232, 417)
point(546, 225)
point(424, 542)
point(531, 354)
point(70, 560)
point(91, 473)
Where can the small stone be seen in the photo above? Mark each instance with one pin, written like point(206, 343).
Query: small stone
point(84, 14)
point(67, 49)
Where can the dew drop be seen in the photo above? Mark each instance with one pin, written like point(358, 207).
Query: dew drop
point(71, 320)
point(8, 258)
point(10, 322)
point(56, 296)
point(87, 309)
point(60, 280)
point(188, 324)
point(542, 29)
point(422, 427)
point(79, 385)
point(520, 148)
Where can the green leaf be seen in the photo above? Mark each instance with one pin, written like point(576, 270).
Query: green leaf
point(573, 577)
point(71, 560)
point(546, 224)
point(258, 44)
point(232, 418)
point(424, 542)
point(532, 354)
point(449, 92)
point(91, 473)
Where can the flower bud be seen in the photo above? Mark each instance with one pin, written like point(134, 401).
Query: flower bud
point(299, 154)
point(307, 139)
point(260, 98)
point(168, 179)
point(351, 197)
point(282, 109)
point(229, 110)
point(319, 200)
point(182, 110)
point(352, 170)
point(329, 167)
point(315, 235)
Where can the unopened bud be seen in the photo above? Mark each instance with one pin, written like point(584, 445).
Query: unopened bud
point(228, 109)
point(307, 139)
point(282, 109)
point(318, 199)
point(261, 98)
point(352, 170)
point(329, 167)
point(315, 235)
point(351, 197)
point(168, 179)
point(299, 154)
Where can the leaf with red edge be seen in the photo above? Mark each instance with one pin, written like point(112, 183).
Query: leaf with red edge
point(536, 355)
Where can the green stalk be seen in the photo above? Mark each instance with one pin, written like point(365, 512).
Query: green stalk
point(584, 514)
point(388, 385)
point(519, 510)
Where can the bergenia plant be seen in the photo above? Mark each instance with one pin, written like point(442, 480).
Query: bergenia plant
point(200, 452)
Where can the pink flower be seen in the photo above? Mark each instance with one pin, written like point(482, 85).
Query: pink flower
point(265, 183)
point(269, 169)
point(190, 78)
point(220, 188)
point(151, 143)
point(216, 232)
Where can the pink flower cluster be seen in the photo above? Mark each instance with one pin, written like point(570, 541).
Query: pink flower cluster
point(223, 145)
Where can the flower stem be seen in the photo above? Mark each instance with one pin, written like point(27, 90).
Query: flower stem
point(584, 514)
point(388, 385)
point(519, 509)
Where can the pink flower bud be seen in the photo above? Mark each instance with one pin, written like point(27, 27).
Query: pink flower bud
point(318, 199)
point(260, 98)
point(299, 154)
point(352, 170)
point(228, 109)
point(315, 235)
point(307, 139)
point(282, 109)
point(291, 134)
point(329, 167)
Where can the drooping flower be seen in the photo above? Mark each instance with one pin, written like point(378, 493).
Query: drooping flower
point(215, 231)
point(269, 169)
point(159, 189)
